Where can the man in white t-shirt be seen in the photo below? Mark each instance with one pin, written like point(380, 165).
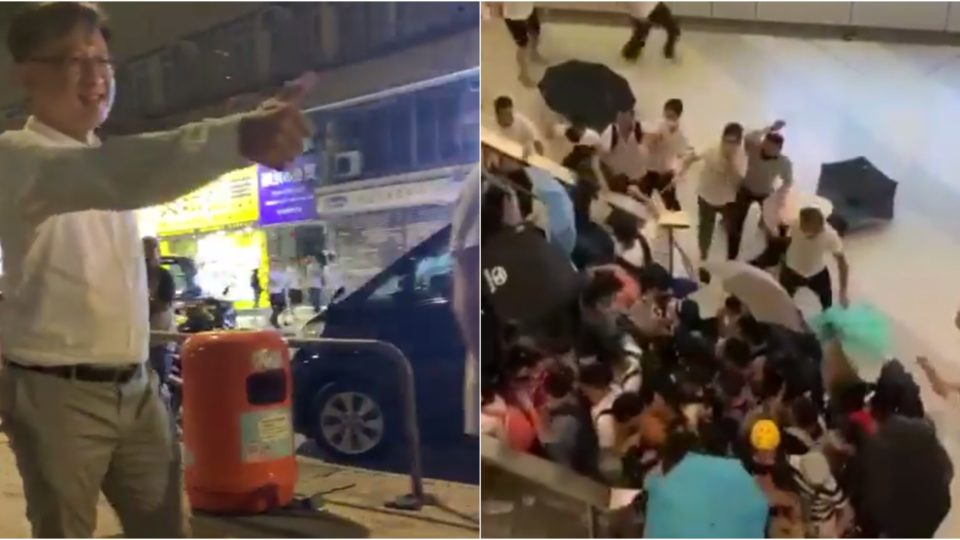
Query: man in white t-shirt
point(644, 16)
point(665, 147)
point(517, 127)
point(812, 240)
point(623, 157)
point(524, 26)
point(723, 170)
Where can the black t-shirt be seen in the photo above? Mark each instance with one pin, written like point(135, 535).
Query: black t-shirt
point(161, 288)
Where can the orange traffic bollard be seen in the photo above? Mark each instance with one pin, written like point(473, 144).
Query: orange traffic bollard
point(237, 429)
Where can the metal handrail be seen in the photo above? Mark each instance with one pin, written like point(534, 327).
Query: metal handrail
point(418, 497)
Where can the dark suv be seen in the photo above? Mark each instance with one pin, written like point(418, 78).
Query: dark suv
point(347, 400)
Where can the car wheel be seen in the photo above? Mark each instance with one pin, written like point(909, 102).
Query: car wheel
point(353, 421)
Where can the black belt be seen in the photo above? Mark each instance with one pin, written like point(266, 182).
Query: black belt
point(85, 372)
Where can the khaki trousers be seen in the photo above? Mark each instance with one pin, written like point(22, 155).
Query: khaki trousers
point(73, 439)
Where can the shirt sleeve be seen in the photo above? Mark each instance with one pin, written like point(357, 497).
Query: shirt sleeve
point(606, 431)
point(530, 132)
point(124, 173)
point(786, 171)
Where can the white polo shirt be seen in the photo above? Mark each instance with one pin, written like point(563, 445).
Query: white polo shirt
point(628, 156)
point(720, 178)
point(665, 146)
point(75, 284)
point(808, 256)
point(521, 131)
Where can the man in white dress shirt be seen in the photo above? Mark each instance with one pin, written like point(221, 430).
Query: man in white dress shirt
point(81, 411)
point(723, 170)
point(812, 241)
point(665, 147)
point(624, 158)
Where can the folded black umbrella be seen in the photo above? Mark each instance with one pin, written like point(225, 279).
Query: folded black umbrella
point(586, 93)
point(861, 194)
point(907, 476)
point(525, 277)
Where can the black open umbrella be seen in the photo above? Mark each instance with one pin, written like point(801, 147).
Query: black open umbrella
point(525, 277)
point(586, 93)
point(861, 194)
point(907, 476)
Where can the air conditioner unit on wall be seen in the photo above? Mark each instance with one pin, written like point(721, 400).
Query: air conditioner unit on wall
point(348, 165)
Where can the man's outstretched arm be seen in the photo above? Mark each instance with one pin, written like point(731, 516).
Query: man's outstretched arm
point(126, 173)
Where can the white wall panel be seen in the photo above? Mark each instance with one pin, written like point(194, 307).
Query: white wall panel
point(906, 15)
point(746, 11)
point(834, 13)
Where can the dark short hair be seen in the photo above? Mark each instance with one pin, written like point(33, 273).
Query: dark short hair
point(40, 23)
point(737, 352)
point(596, 375)
point(151, 241)
point(811, 214)
point(655, 277)
point(626, 406)
point(675, 105)
point(775, 138)
point(502, 102)
point(603, 284)
point(559, 382)
point(733, 128)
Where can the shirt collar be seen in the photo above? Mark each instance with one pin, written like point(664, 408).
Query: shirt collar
point(37, 127)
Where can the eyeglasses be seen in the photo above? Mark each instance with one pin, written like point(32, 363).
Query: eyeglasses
point(77, 64)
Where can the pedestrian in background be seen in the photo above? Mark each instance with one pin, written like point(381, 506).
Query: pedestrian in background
point(644, 16)
point(256, 286)
point(315, 281)
point(162, 291)
point(277, 286)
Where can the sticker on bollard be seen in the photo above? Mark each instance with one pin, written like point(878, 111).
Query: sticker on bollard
point(266, 435)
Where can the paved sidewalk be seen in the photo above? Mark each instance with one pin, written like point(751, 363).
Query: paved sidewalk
point(352, 507)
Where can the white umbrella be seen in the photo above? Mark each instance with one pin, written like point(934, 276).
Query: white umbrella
point(763, 296)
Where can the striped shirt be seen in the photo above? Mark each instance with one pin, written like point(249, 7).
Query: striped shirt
point(820, 495)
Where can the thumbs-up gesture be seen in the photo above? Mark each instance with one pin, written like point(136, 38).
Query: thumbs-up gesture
point(273, 134)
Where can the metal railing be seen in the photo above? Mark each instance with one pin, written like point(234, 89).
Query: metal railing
point(525, 496)
point(417, 498)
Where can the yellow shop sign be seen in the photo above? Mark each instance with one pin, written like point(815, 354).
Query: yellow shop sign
point(228, 200)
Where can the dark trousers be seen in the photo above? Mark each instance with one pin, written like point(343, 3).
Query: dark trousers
point(660, 16)
point(818, 283)
point(522, 30)
point(296, 297)
point(256, 296)
point(660, 182)
point(278, 303)
point(708, 218)
point(738, 214)
point(316, 297)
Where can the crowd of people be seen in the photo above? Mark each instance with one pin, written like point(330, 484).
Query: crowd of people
point(313, 279)
point(626, 377)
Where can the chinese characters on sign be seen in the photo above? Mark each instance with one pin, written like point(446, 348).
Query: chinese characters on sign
point(287, 196)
